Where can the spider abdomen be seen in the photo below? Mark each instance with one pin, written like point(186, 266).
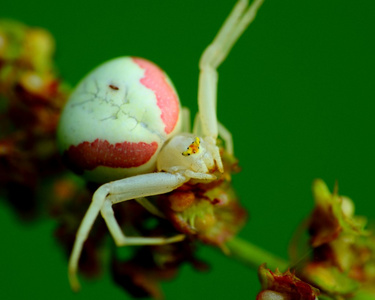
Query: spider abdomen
point(117, 119)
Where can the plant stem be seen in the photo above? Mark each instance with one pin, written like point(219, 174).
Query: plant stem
point(253, 256)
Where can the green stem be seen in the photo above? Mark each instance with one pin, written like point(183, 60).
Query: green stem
point(253, 256)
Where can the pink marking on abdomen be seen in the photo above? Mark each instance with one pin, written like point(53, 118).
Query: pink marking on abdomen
point(88, 156)
point(167, 100)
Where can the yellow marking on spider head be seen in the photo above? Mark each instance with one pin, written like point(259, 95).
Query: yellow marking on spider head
point(193, 148)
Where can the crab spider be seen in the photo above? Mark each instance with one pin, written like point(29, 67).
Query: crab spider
point(153, 157)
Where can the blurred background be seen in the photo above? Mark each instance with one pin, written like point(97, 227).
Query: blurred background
point(297, 92)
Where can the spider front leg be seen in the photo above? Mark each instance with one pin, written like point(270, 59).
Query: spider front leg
point(185, 113)
point(115, 192)
point(223, 132)
point(238, 20)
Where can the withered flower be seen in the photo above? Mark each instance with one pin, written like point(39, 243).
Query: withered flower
point(31, 98)
point(141, 271)
point(209, 212)
point(342, 260)
point(141, 274)
point(284, 286)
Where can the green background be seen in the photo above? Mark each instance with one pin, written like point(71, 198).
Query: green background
point(297, 92)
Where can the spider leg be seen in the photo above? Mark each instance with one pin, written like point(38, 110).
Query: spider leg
point(222, 130)
point(199, 176)
point(115, 192)
point(122, 240)
point(197, 125)
point(227, 137)
point(185, 112)
point(238, 20)
point(151, 208)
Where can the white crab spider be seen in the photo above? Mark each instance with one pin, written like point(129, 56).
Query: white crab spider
point(177, 157)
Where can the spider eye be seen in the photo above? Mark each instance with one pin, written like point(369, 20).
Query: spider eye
point(193, 148)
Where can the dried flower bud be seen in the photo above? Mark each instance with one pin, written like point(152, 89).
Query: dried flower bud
point(342, 251)
point(284, 286)
point(209, 212)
